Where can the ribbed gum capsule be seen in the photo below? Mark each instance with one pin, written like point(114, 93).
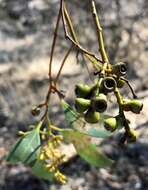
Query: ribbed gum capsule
point(85, 91)
point(82, 104)
point(108, 85)
point(82, 90)
point(91, 116)
point(111, 124)
point(133, 105)
point(99, 103)
point(119, 69)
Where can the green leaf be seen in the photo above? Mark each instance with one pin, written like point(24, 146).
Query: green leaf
point(39, 170)
point(26, 149)
point(85, 149)
point(98, 133)
point(70, 114)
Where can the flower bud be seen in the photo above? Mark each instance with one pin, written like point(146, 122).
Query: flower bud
point(108, 84)
point(91, 116)
point(132, 105)
point(119, 69)
point(111, 124)
point(99, 103)
point(82, 104)
point(35, 111)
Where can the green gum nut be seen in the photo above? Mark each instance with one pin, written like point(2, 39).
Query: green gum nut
point(111, 124)
point(132, 105)
point(132, 136)
point(82, 90)
point(119, 69)
point(108, 84)
point(91, 116)
point(82, 104)
point(120, 83)
point(99, 103)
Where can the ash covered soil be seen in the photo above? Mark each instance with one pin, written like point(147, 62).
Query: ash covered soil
point(26, 29)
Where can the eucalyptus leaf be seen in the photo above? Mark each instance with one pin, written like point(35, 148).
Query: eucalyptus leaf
point(85, 149)
point(27, 148)
point(39, 170)
point(70, 114)
point(98, 133)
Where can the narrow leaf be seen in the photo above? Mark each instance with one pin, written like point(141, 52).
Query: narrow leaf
point(26, 149)
point(70, 114)
point(85, 149)
point(98, 133)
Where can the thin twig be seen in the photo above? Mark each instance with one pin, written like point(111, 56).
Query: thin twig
point(129, 85)
point(62, 64)
point(54, 41)
point(121, 112)
point(99, 33)
point(68, 23)
point(50, 62)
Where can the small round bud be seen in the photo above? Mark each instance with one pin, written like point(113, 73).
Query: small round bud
point(119, 69)
point(35, 111)
point(99, 103)
point(111, 124)
point(91, 116)
point(108, 84)
point(82, 104)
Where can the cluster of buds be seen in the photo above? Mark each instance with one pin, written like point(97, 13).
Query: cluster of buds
point(92, 100)
point(53, 157)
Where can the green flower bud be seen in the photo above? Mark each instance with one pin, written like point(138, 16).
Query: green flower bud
point(120, 83)
point(108, 85)
point(91, 116)
point(119, 69)
point(111, 124)
point(82, 104)
point(132, 136)
point(35, 111)
point(132, 105)
point(99, 103)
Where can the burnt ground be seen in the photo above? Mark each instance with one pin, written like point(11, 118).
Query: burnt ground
point(26, 29)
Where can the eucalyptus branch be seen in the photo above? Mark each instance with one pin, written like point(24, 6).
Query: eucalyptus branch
point(54, 41)
point(99, 33)
point(68, 23)
point(43, 151)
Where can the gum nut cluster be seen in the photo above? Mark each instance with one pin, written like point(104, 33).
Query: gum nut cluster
point(92, 100)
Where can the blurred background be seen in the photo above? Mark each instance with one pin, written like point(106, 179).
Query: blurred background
point(26, 30)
